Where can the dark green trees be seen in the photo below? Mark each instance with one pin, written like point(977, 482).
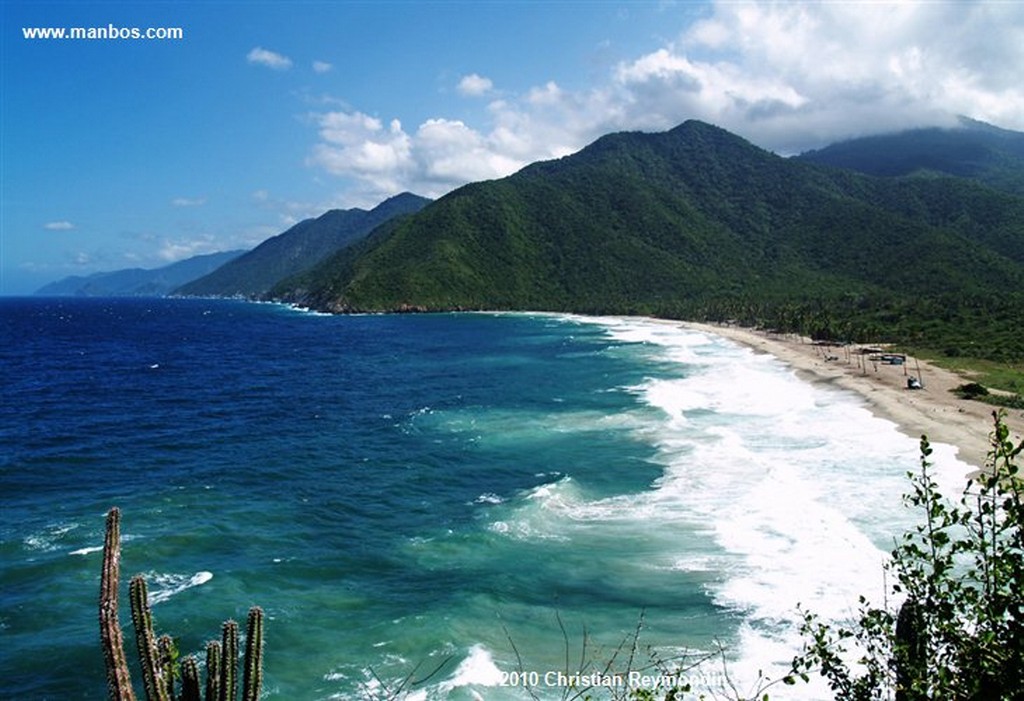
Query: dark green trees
point(158, 655)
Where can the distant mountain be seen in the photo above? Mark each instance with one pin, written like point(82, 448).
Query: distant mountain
point(971, 149)
point(138, 282)
point(298, 248)
point(697, 223)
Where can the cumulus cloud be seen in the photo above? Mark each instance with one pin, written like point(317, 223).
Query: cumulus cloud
point(474, 85)
point(263, 57)
point(321, 67)
point(62, 225)
point(835, 70)
point(786, 75)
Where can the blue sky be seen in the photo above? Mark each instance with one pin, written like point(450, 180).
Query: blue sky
point(137, 153)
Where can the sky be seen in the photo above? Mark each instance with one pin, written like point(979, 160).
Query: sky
point(121, 152)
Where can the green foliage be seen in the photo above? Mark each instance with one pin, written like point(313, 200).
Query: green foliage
point(959, 634)
point(970, 390)
point(298, 249)
point(697, 223)
point(970, 150)
point(158, 656)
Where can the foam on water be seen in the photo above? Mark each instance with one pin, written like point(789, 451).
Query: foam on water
point(477, 669)
point(162, 586)
point(791, 492)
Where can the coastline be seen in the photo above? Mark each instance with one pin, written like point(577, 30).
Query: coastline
point(932, 410)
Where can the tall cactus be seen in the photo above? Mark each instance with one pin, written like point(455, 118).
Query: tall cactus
point(168, 659)
point(213, 670)
point(190, 679)
point(253, 677)
point(154, 679)
point(229, 662)
point(119, 683)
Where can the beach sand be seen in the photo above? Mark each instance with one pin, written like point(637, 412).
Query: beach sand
point(932, 410)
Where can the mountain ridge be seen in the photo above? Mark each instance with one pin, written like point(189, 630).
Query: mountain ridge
point(139, 281)
point(694, 222)
point(296, 249)
point(970, 149)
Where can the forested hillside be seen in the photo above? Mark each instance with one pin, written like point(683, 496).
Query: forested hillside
point(298, 248)
point(970, 149)
point(698, 223)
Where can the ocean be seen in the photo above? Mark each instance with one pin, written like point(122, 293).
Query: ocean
point(437, 506)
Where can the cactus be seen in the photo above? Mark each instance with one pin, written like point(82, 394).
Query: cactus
point(153, 671)
point(213, 673)
point(190, 679)
point(168, 662)
point(119, 683)
point(253, 677)
point(158, 657)
point(229, 662)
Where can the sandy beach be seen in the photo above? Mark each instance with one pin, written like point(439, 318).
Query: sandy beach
point(932, 410)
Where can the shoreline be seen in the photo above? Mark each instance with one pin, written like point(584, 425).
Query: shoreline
point(932, 410)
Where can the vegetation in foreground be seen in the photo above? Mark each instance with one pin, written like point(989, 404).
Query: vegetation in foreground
point(164, 679)
point(959, 633)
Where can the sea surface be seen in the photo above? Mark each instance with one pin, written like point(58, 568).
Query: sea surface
point(450, 506)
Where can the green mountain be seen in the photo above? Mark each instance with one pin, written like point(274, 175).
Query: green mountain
point(699, 223)
point(971, 149)
point(139, 282)
point(297, 249)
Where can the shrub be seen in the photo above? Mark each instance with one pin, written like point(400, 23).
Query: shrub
point(959, 632)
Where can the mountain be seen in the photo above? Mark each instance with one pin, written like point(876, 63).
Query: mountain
point(971, 149)
point(298, 248)
point(697, 223)
point(138, 282)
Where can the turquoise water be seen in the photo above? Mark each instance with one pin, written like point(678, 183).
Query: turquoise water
point(454, 500)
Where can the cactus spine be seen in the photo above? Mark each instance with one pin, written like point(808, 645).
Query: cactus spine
point(119, 683)
point(253, 677)
point(229, 662)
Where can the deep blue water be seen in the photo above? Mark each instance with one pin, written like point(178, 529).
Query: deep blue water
point(402, 493)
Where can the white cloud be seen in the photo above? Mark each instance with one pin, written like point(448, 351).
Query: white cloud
point(321, 67)
point(270, 59)
point(786, 75)
point(474, 85)
point(61, 225)
point(835, 70)
point(180, 249)
point(188, 202)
